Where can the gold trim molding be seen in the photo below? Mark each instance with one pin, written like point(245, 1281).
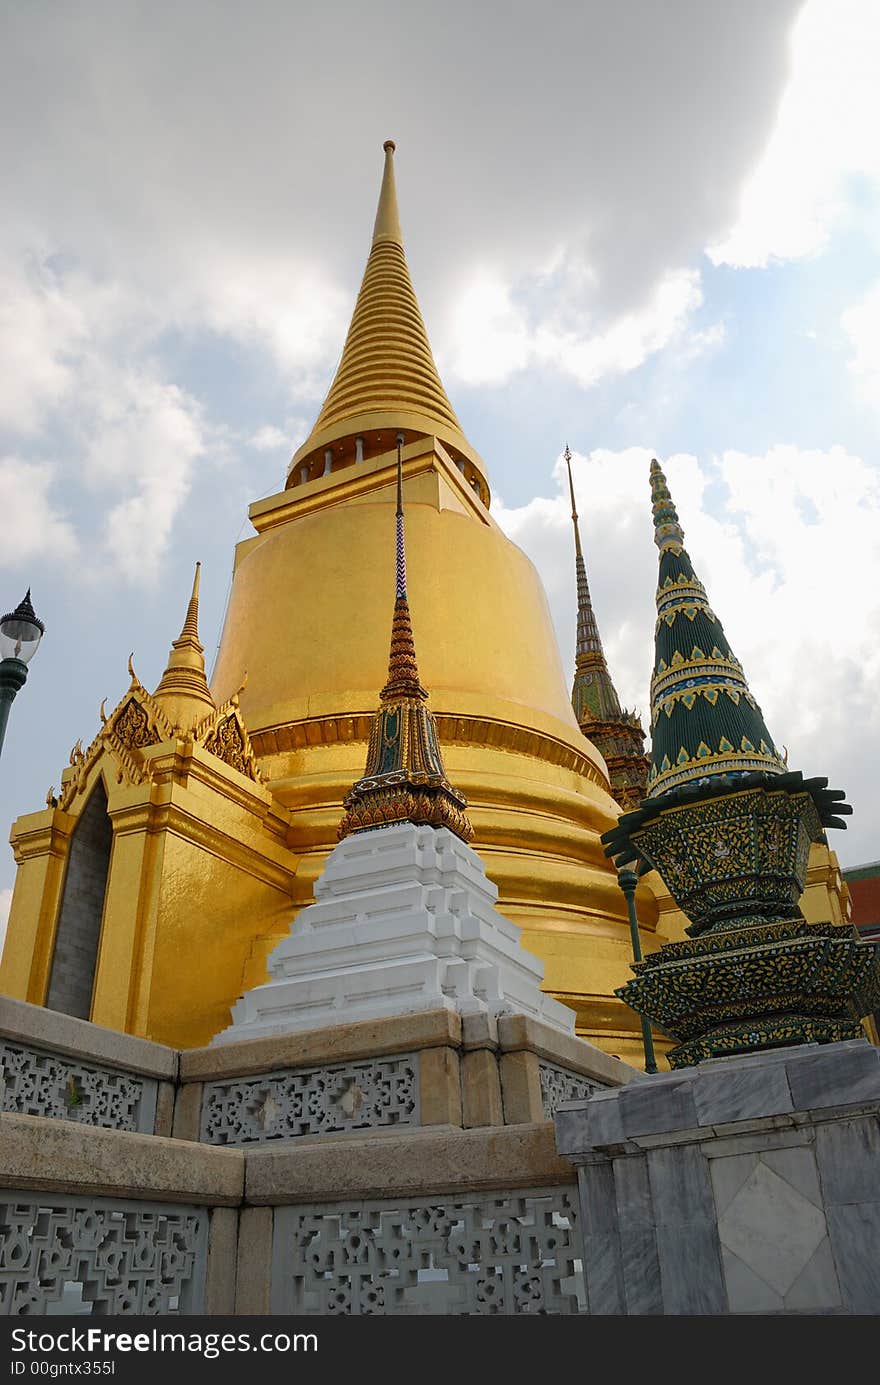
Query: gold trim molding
point(452, 729)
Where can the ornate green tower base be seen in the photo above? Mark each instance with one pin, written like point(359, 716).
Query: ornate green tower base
point(733, 853)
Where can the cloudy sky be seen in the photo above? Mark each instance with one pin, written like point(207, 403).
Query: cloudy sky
point(644, 229)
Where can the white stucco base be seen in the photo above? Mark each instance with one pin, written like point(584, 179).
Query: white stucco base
point(404, 920)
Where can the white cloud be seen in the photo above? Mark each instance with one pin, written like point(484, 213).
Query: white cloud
point(285, 305)
point(39, 327)
point(825, 133)
point(488, 336)
point(788, 546)
point(32, 526)
point(147, 435)
point(861, 323)
point(268, 438)
point(627, 341)
point(491, 337)
point(246, 216)
point(78, 352)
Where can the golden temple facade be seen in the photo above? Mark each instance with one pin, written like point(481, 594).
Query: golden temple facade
point(225, 802)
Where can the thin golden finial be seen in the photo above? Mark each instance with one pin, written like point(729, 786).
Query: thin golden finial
point(184, 686)
point(403, 672)
point(405, 780)
point(191, 624)
point(387, 226)
point(574, 513)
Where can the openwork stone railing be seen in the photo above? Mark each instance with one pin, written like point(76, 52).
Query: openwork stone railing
point(497, 1253)
point(96, 1255)
point(37, 1083)
point(562, 1084)
point(286, 1104)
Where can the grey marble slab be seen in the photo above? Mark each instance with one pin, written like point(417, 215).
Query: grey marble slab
point(736, 1094)
point(855, 1240)
point(596, 1183)
point(835, 1075)
point(640, 1263)
point(635, 1203)
point(602, 1274)
point(666, 1104)
point(816, 1287)
point(594, 1123)
point(681, 1188)
point(848, 1152)
point(690, 1269)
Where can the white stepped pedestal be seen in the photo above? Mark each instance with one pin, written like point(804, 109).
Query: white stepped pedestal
point(404, 920)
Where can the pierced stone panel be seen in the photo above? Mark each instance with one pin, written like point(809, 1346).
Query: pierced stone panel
point(36, 1083)
point(94, 1255)
point(284, 1105)
point(502, 1253)
point(562, 1084)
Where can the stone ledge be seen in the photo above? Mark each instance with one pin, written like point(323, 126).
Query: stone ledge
point(521, 1032)
point(314, 1048)
point(23, 1023)
point(732, 1096)
point(479, 1032)
point(419, 1163)
point(62, 1157)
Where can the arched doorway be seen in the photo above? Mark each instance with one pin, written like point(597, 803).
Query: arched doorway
point(82, 907)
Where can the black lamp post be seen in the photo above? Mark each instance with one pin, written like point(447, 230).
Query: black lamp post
point(20, 633)
point(628, 881)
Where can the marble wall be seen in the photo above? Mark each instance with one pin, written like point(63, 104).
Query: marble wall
point(745, 1185)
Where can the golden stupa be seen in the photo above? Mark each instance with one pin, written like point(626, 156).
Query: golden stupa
point(538, 791)
point(183, 841)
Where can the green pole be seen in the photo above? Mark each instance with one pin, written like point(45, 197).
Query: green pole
point(13, 674)
point(628, 880)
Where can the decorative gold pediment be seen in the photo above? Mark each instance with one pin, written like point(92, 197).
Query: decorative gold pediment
point(225, 735)
point(136, 723)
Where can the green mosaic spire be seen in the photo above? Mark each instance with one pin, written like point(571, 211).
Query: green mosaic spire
point(704, 720)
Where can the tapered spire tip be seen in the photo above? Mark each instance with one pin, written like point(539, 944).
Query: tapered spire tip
point(184, 684)
point(667, 529)
point(387, 225)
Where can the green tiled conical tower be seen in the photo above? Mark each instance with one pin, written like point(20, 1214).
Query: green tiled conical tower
point(728, 828)
point(704, 720)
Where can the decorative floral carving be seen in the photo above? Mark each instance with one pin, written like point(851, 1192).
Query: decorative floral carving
point(132, 727)
point(228, 742)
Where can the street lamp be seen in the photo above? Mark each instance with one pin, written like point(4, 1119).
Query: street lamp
point(628, 880)
point(20, 633)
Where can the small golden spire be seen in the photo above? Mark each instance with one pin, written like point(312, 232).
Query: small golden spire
point(183, 691)
point(405, 779)
point(191, 624)
point(387, 225)
point(403, 671)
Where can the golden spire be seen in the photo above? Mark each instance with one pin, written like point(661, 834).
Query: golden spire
point(183, 692)
point(404, 780)
point(594, 694)
point(386, 381)
point(616, 733)
point(387, 225)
